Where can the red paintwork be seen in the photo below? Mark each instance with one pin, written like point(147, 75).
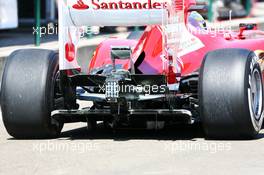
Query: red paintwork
point(80, 5)
point(69, 51)
point(102, 53)
point(151, 44)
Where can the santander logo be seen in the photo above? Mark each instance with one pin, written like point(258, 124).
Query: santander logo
point(120, 4)
point(80, 5)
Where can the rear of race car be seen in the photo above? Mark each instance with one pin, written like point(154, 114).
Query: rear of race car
point(121, 94)
point(147, 82)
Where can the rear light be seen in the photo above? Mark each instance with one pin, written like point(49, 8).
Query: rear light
point(69, 51)
point(171, 76)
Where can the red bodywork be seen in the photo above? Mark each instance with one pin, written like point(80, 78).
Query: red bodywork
point(151, 44)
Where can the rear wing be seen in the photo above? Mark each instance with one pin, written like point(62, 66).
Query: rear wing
point(74, 14)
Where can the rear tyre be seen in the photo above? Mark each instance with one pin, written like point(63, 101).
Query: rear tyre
point(231, 94)
point(28, 92)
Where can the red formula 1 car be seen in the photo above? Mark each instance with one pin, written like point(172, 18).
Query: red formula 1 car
point(178, 71)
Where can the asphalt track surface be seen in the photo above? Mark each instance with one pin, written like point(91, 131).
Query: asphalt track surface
point(176, 150)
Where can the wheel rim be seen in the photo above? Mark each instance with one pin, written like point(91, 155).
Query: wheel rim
point(256, 94)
